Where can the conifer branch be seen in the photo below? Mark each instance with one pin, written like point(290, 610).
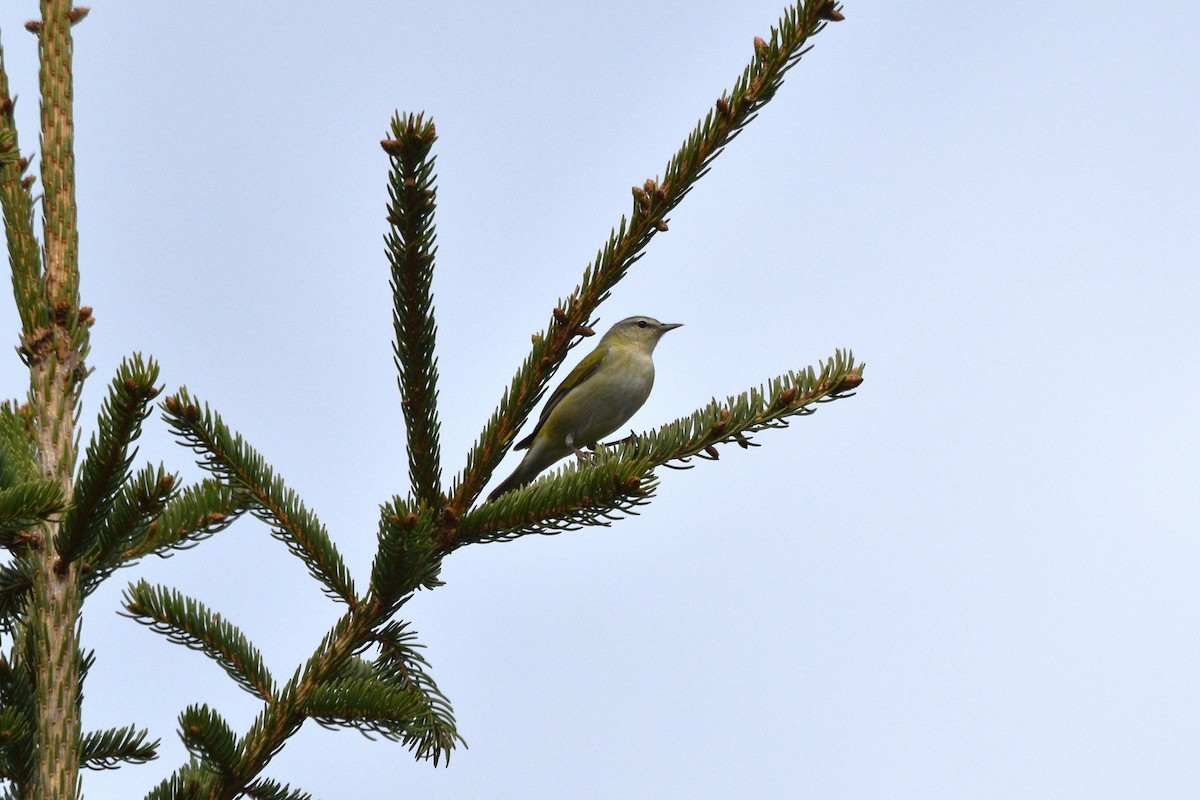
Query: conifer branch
point(136, 507)
point(191, 516)
point(573, 497)
point(110, 748)
point(411, 248)
point(284, 716)
point(401, 661)
point(16, 579)
point(333, 689)
point(767, 406)
point(267, 789)
point(368, 705)
point(186, 621)
point(16, 198)
point(14, 738)
point(18, 696)
point(190, 782)
point(652, 202)
point(227, 456)
point(18, 452)
point(209, 738)
point(106, 461)
point(26, 505)
point(408, 556)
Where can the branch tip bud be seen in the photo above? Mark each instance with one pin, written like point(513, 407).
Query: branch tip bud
point(851, 381)
point(831, 12)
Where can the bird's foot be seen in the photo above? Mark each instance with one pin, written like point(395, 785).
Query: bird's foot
point(583, 455)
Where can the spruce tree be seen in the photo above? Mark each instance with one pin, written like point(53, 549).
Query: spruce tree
point(70, 520)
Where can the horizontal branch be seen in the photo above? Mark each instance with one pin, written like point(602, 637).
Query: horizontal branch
point(769, 406)
point(575, 496)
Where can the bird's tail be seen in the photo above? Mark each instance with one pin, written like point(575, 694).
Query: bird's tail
point(523, 474)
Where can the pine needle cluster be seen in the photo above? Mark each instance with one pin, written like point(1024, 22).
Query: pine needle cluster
point(70, 520)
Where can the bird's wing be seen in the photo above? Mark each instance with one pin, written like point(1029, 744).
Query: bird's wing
point(583, 370)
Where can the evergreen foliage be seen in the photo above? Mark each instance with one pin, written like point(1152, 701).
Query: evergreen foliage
point(110, 748)
point(105, 469)
point(410, 248)
point(67, 527)
point(235, 463)
point(186, 621)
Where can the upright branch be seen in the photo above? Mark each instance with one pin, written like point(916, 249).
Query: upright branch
point(16, 197)
point(411, 248)
point(54, 345)
point(60, 237)
point(652, 201)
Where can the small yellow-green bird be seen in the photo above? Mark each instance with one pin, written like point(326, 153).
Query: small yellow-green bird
point(604, 390)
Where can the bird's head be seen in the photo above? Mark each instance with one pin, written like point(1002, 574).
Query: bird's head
point(640, 332)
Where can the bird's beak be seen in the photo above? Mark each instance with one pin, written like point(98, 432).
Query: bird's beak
point(670, 326)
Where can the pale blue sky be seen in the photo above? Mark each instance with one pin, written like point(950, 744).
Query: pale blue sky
point(977, 578)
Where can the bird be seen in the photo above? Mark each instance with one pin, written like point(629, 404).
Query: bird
point(604, 390)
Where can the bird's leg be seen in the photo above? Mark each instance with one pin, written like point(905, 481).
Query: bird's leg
point(583, 456)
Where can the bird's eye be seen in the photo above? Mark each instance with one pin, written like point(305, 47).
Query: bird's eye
point(641, 323)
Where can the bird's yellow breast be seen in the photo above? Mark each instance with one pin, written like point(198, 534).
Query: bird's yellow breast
point(604, 401)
